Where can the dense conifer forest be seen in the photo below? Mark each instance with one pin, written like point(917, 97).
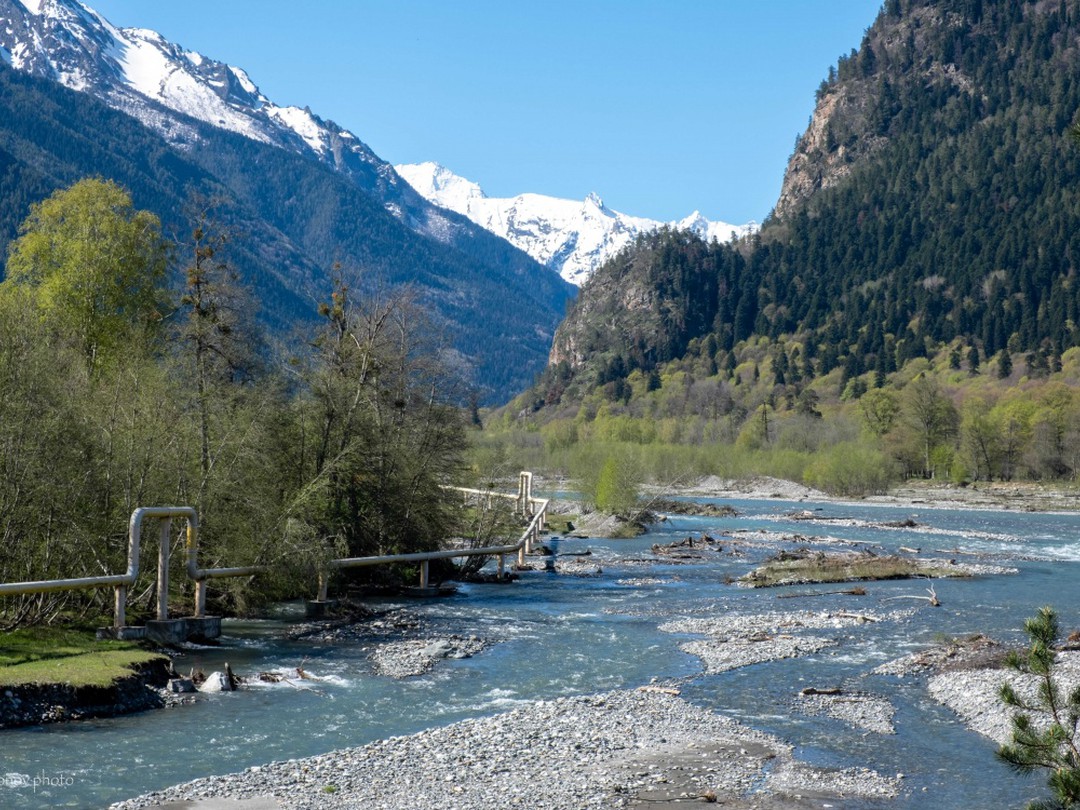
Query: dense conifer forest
point(953, 215)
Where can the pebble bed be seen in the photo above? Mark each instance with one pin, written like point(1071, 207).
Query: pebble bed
point(733, 625)
point(857, 709)
point(733, 653)
point(406, 659)
point(742, 640)
point(602, 751)
point(973, 694)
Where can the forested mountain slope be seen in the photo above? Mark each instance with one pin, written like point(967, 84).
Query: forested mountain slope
point(933, 200)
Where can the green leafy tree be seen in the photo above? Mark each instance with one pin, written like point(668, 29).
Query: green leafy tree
point(617, 487)
point(94, 264)
point(851, 469)
point(381, 435)
point(980, 440)
point(879, 410)
point(1049, 742)
point(929, 415)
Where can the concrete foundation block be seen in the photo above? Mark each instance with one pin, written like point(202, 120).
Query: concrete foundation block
point(167, 631)
point(122, 633)
point(203, 628)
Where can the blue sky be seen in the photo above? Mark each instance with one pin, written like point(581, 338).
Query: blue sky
point(660, 107)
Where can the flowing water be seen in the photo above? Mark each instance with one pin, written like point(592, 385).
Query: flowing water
point(559, 635)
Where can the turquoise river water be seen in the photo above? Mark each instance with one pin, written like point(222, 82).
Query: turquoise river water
point(560, 635)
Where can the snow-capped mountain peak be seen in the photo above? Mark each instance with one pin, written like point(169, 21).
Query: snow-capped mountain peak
point(175, 90)
point(571, 237)
point(33, 6)
point(434, 181)
point(164, 85)
point(593, 199)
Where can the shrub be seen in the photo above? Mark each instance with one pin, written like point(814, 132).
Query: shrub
point(851, 469)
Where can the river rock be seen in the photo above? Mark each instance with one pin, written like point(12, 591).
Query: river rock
point(439, 649)
point(216, 682)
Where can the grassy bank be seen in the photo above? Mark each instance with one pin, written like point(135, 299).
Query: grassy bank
point(52, 655)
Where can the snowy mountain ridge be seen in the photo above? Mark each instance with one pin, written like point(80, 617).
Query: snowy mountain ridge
point(164, 85)
point(168, 88)
point(572, 237)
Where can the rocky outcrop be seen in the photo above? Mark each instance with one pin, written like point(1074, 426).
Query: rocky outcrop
point(850, 123)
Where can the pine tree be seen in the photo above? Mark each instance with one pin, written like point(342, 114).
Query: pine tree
point(973, 360)
point(1053, 743)
point(1004, 365)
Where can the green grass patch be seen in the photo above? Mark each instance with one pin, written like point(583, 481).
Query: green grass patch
point(807, 567)
point(48, 655)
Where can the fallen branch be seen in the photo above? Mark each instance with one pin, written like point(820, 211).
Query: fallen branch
point(849, 592)
point(861, 617)
point(932, 598)
point(709, 797)
point(662, 690)
point(302, 675)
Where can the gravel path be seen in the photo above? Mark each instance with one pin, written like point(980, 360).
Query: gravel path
point(618, 749)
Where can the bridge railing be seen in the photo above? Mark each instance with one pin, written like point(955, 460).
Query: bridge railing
point(536, 508)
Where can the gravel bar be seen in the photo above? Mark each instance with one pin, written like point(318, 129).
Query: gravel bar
point(413, 657)
point(858, 709)
point(973, 694)
point(612, 750)
point(743, 640)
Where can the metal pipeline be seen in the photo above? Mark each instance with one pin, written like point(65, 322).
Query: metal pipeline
point(201, 575)
point(118, 581)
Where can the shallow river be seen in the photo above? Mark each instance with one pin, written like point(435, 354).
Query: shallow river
point(557, 635)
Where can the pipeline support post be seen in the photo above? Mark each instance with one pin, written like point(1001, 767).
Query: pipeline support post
point(524, 492)
point(120, 607)
point(164, 540)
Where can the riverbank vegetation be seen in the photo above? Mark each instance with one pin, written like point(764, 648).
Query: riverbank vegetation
point(125, 385)
point(942, 418)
